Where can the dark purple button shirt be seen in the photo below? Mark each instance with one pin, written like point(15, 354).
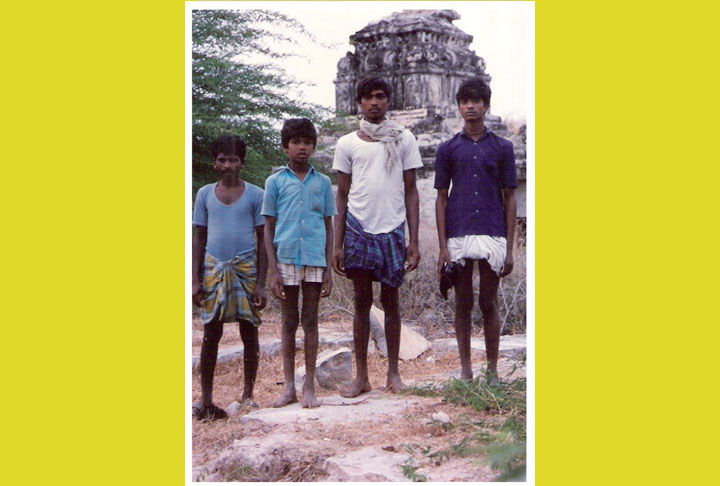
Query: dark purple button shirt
point(478, 171)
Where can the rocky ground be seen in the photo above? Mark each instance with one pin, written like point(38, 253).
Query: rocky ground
point(378, 436)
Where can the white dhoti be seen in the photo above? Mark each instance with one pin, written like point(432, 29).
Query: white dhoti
point(479, 247)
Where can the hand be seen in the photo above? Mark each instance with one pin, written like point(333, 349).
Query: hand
point(338, 261)
point(259, 297)
point(198, 293)
point(326, 284)
point(443, 259)
point(412, 257)
point(508, 266)
point(276, 286)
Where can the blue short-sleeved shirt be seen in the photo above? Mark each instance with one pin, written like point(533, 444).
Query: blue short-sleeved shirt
point(478, 171)
point(231, 227)
point(300, 209)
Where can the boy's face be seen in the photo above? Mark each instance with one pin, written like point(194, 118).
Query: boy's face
point(473, 109)
point(299, 149)
point(228, 164)
point(374, 106)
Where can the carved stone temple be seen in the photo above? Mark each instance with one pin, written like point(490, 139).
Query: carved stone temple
point(425, 58)
point(419, 52)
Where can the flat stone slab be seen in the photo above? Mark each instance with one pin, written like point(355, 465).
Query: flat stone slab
point(268, 347)
point(509, 345)
point(374, 406)
point(335, 339)
point(272, 347)
point(366, 464)
point(508, 369)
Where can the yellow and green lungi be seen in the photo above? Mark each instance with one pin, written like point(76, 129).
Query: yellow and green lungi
point(228, 289)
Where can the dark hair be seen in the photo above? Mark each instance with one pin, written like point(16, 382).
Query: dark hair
point(474, 89)
point(368, 85)
point(297, 127)
point(228, 144)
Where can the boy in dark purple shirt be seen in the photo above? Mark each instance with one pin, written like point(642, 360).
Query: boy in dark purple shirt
point(477, 220)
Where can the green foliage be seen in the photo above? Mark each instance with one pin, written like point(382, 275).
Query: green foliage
point(498, 440)
point(409, 471)
point(479, 395)
point(234, 95)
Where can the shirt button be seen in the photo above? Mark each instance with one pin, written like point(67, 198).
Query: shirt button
point(475, 211)
point(475, 157)
point(476, 193)
point(474, 175)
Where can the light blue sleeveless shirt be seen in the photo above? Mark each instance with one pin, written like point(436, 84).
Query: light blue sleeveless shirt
point(231, 228)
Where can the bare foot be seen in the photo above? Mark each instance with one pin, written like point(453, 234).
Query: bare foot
point(356, 388)
point(394, 383)
point(308, 399)
point(249, 402)
point(289, 396)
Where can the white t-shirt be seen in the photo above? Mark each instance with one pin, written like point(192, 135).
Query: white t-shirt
point(377, 194)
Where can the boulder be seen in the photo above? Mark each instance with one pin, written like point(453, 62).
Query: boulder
point(412, 343)
point(333, 369)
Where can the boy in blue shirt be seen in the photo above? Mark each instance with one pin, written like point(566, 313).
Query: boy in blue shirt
point(477, 220)
point(228, 279)
point(298, 209)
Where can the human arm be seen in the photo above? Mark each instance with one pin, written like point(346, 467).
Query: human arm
point(341, 200)
point(259, 294)
point(412, 213)
point(440, 213)
point(442, 184)
point(510, 219)
point(276, 282)
point(327, 274)
point(199, 243)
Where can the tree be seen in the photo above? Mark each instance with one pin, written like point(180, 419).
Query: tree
point(234, 95)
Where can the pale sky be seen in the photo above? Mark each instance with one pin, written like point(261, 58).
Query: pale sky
point(500, 30)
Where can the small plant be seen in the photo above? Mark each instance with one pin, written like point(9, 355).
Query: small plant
point(410, 471)
point(499, 440)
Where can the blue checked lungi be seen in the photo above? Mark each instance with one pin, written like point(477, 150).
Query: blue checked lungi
point(383, 253)
point(228, 289)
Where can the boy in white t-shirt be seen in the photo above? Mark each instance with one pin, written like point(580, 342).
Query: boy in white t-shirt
point(376, 194)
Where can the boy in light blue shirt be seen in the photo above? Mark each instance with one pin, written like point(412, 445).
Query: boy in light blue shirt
point(228, 274)
point(298, 207)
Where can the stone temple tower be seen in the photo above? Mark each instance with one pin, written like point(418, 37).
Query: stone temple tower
point(419, 52)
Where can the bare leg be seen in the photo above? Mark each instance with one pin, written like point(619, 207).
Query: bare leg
point(311, 299)
point(212, 332)
point(393, 327)
point(251, 357)
point(489, 282)
point(463, 317)
point(361, 335)
point(290, 322)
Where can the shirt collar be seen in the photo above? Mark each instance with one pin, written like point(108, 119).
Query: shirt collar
point(289, 171)
point(486, 133)
point(287, 167)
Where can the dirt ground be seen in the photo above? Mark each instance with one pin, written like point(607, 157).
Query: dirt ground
point(411, 428)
